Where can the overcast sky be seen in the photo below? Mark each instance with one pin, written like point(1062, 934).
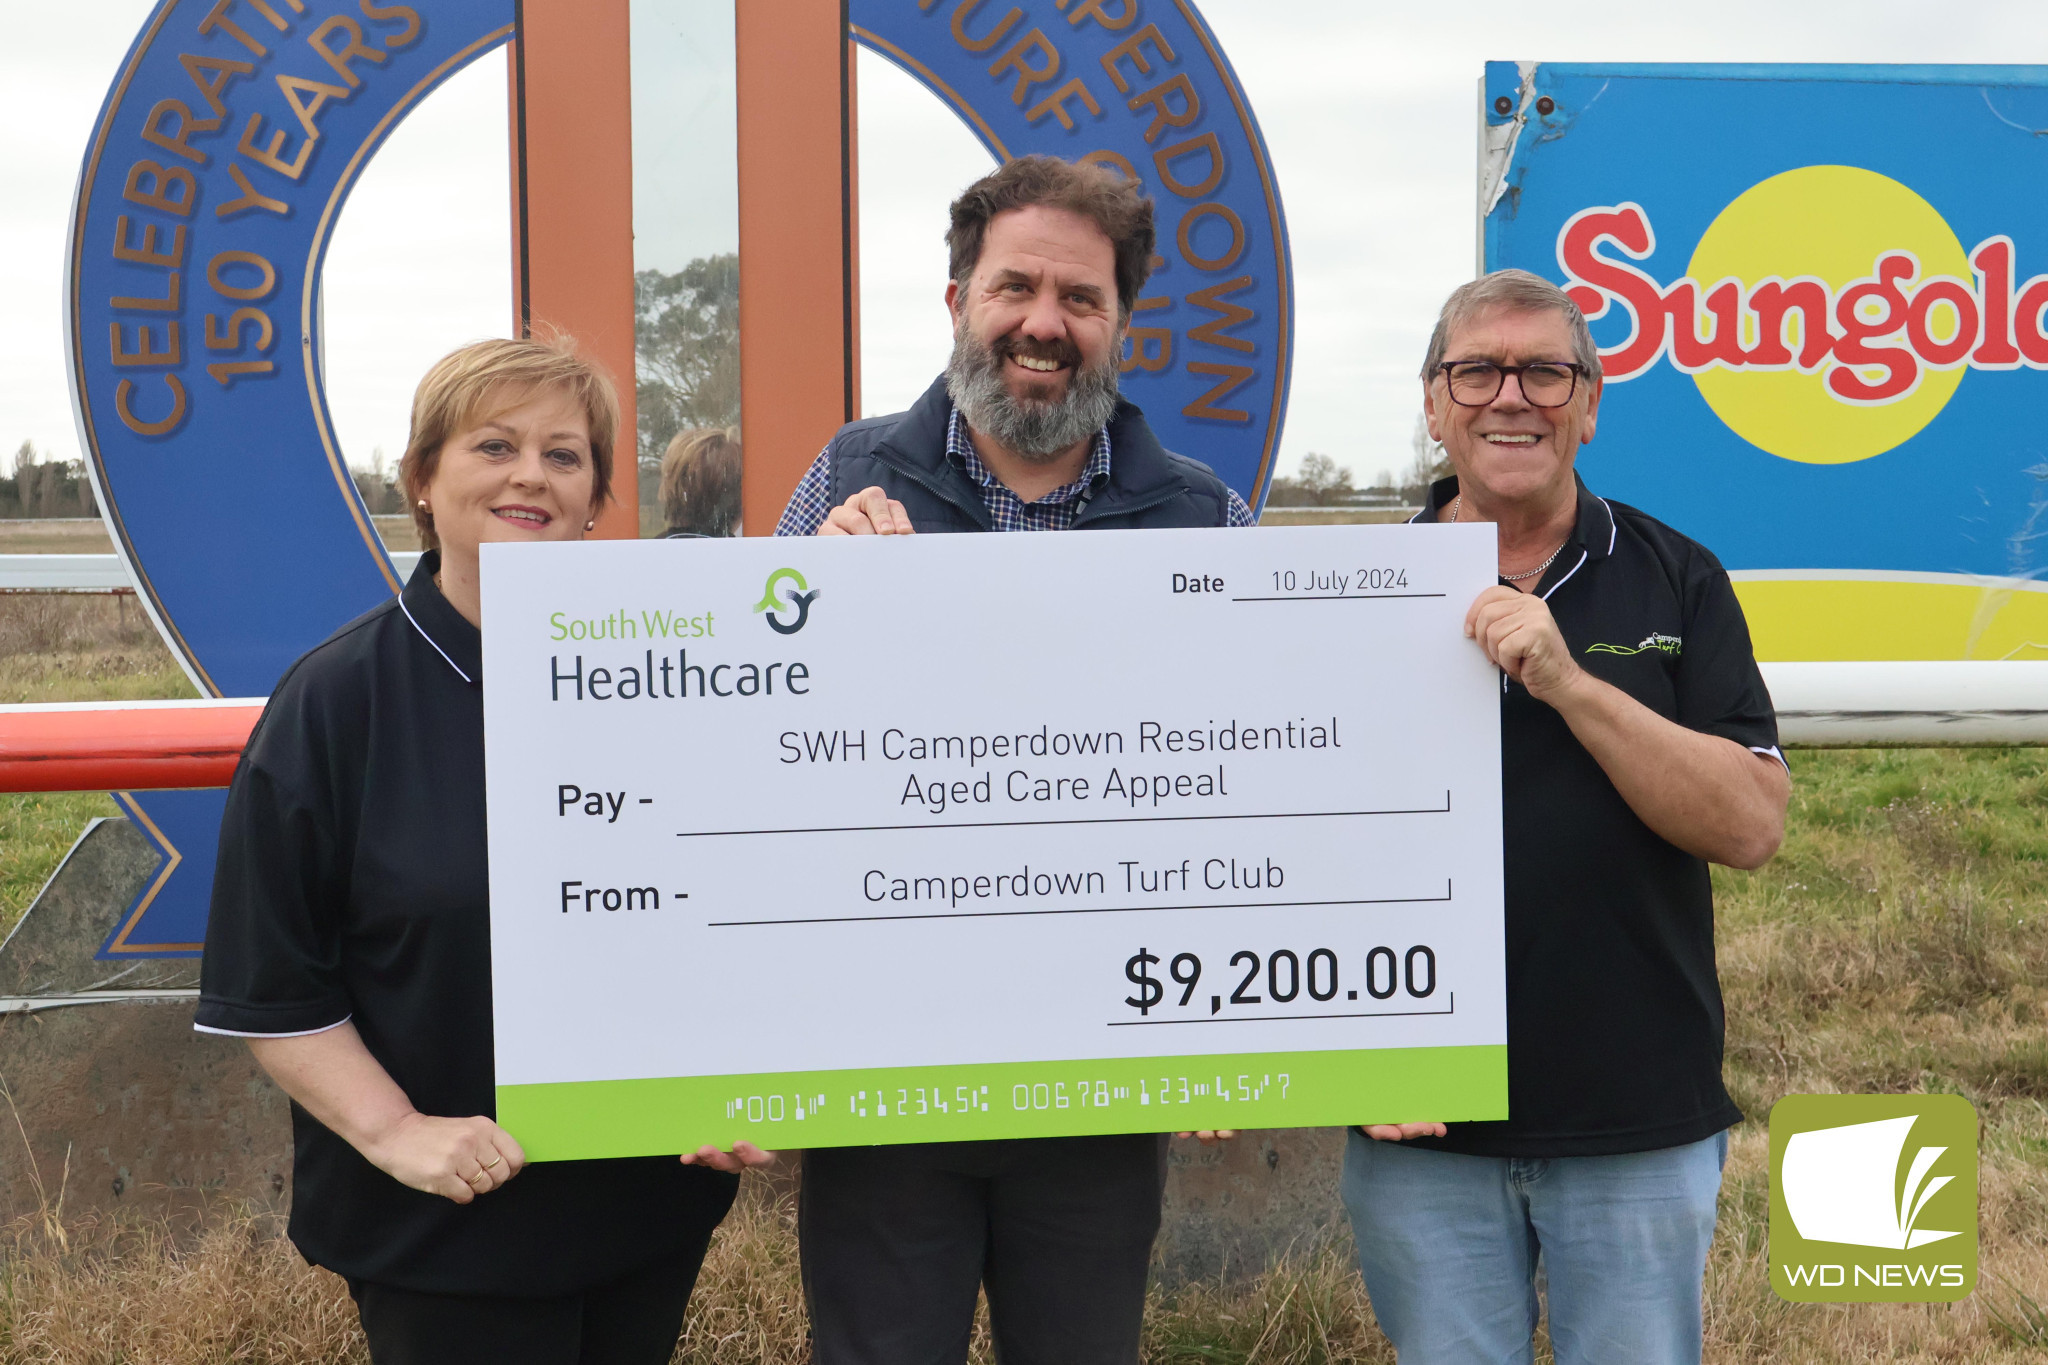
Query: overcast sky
point(1367, 109)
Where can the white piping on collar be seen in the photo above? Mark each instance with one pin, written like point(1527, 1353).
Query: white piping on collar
point(1584, 555)
point(430, 640)
point(301, 1033)
point(1613, 530)
point(1773, 752)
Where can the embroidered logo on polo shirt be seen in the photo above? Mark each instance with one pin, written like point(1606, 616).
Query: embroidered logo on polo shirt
point(1662, 644)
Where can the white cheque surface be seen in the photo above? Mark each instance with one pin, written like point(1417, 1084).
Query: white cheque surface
point(867, 840)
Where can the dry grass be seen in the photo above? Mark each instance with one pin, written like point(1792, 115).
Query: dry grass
point(1899, 943)
point(81, 537)
point(125, 1294)
point(748, 1305)
point(748, 1308)
point(82, 647)
point(397, 532)
point(30, 536)
point(1334, 516)
point(1311, 1310)
point(229, 1289)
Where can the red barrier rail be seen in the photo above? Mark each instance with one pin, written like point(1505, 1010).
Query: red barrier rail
point(123, 746)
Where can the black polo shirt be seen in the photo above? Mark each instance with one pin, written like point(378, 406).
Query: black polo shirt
point(1614, 1005)
point(353, 884)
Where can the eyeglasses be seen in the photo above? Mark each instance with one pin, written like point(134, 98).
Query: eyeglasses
point(1545, 384)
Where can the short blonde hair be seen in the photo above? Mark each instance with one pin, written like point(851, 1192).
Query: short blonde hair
point(486, 377)
point(700, 480)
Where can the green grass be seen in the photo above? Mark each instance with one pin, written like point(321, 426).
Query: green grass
point(68, 648)
point(36, 830)
point(93, 675)
point(1898, 943)
point(81, 647)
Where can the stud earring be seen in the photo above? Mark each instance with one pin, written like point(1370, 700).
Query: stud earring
point(590, 525)
point(424, 507)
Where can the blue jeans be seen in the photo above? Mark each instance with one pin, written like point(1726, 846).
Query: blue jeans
point(1450, 1245)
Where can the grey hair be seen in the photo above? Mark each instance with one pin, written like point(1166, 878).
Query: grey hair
point(1516, 291)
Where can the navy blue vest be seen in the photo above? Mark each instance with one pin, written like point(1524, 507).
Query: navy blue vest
point(905, 454)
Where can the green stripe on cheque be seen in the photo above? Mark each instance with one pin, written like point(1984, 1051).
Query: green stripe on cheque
point(585, 1119)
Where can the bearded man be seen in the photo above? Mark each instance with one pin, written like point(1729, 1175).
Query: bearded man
point(1024, 432)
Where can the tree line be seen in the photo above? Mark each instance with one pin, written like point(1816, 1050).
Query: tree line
point(36, 487)
point(686, 340)
point(1322, 482)
point(686, 345)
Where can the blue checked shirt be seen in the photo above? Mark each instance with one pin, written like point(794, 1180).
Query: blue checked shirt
point(812, 501)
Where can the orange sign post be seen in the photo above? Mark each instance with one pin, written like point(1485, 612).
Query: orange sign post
point(572, 201)
point(799, 282)
point(799, 258)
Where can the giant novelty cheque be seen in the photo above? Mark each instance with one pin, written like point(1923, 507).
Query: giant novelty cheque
point(865, 840)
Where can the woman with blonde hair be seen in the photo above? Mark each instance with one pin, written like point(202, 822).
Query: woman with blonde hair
point(349, 937)
point(700, 483)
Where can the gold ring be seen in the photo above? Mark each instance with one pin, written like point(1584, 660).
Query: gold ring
point(472, 1179)
point(492, 1162)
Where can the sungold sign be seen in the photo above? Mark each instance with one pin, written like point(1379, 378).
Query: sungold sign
point(1819, 295)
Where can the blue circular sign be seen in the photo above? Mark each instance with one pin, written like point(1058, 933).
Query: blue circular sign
point(220, 164)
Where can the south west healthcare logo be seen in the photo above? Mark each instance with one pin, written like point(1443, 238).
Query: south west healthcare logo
point(786, 589)
point(1873, 1198)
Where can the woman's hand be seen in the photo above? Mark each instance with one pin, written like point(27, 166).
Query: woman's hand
point(334, 1077)
point(1210, 1136)
point(744, 1155)
point(457, 1159)
point(1401, 1132)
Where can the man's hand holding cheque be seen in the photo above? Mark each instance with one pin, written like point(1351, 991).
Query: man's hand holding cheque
point(1708, 795)
point(870, 512)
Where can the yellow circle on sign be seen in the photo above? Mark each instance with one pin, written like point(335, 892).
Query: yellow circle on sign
point(1829, 223)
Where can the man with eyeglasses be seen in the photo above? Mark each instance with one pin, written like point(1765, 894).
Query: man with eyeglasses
point(1638, 744)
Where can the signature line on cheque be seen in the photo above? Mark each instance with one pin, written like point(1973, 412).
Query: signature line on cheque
point(1339, 597)
point(1444, 809)
point(1282, 1018)
point(1082, 910)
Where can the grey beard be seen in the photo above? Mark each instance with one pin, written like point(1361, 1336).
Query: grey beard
point(1034, 431)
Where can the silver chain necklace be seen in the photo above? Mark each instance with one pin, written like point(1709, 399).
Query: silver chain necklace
point(1516, 577)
